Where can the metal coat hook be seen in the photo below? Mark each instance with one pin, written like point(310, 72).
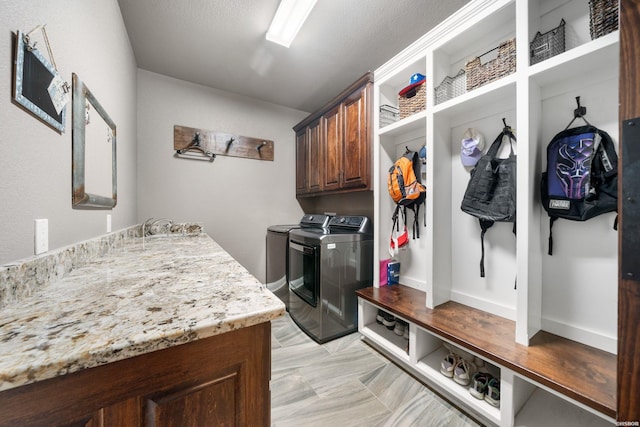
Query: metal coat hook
point(195, 145)
point(506, 128)
point(579, 112)
point(229, 142)
point(261, 146)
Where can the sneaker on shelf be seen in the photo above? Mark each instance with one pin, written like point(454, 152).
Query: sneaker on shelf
point(463, 371)
point(457, 350)
point(448, 363)
point(479, 383)
point(380, 316)
point(493, 392)
point(389, 321)
point(480, 365)
point(400, 327)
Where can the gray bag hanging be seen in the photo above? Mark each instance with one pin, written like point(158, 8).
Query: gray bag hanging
point(491, 192)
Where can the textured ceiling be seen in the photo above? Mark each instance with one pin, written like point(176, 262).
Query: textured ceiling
point(221, 44)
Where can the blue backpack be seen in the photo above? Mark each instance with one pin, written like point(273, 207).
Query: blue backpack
point(581, 179)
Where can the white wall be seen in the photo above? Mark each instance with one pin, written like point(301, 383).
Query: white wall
point(235, 198)
point(89, 39)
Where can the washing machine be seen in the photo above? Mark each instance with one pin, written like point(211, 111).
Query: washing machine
point(278, 260)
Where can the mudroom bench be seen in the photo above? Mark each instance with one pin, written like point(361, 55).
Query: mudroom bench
point(550, 380)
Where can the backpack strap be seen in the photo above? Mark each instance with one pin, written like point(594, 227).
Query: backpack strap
point(552, 219)
point(395, 224)
point(484, 225)
point(416, 221)
point(393, 246)
point(400, 178)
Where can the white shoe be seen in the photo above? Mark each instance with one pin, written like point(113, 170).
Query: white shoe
point(463, 371)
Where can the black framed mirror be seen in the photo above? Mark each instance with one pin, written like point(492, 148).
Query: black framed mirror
point(94, 151)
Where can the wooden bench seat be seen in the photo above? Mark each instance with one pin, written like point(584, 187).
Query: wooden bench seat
point(583, 373)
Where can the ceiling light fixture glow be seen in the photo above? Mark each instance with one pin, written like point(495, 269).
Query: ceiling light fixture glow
point(288, 20)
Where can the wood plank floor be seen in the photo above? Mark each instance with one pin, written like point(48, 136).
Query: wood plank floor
point(345, 383)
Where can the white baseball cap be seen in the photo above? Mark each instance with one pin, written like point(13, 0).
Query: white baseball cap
point(471, 147)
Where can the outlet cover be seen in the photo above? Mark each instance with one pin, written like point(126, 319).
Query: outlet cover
point(41, 236)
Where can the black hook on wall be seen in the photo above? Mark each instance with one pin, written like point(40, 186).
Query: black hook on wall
point(579, 112)
point(229, 142)
point(195, 145)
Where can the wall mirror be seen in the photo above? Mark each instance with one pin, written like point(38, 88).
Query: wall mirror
point(94, 151)
point(34, 84)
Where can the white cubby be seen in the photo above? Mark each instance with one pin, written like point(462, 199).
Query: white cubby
point(538, 406)
point(523, 401)
point(573, 293)
point(380, 334)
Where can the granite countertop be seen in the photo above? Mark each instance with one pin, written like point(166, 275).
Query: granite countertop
point(150, 294)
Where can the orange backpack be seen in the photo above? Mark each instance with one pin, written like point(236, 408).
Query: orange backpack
point(406, 190)
point(404, 183)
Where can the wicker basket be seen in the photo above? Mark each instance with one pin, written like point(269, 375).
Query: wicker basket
point(479, 74)
point(413, 101)
point(546, 45)
point(603, 17)
point(450, 87)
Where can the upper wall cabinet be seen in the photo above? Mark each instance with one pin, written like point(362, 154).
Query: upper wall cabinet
point(308, 159)
point(333, 145)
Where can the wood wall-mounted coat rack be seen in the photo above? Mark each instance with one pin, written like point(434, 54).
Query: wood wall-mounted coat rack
point(208, 144)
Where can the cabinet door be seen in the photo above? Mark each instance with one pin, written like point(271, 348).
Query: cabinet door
point(217, 402)
point(302, 154)
point(356, 147)
point(314, 161)
point(333, 149)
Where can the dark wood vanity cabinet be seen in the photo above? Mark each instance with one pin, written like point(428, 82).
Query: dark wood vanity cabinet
point(333, 145)
point(218, 381)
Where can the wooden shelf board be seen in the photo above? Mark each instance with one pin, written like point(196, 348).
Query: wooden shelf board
point(583, 373)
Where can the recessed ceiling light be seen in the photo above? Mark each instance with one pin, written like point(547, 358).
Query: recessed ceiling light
point(288, 20)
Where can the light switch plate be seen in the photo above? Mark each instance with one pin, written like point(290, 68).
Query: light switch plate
point(41, 236)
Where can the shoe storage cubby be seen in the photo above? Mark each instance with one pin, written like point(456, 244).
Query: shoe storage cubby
point(534, 405)
point(575, 381)
point(431, 350)
point(394, 344)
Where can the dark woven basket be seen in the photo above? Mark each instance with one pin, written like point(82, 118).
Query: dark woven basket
point(546, 45)
point(603, 17)
point(479, 74)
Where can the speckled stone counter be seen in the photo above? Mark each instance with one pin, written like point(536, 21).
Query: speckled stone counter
point(147, 294)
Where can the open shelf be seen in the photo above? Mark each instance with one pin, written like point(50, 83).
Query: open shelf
point(411, 124)
point(392, 342)
point(429, 366)
point(584, 374)
point(545, 409)
point(597, 56)
point(481, 102)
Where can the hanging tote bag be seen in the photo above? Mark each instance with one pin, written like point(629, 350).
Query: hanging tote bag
point(491, 192)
